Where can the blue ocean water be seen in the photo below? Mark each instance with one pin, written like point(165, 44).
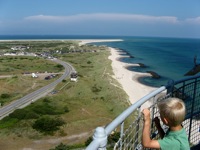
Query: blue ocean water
point(171, 58)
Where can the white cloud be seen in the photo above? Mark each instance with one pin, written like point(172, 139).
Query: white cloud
point(106, 17)
point(193, 20)
point(103, 23)
point(114, 17)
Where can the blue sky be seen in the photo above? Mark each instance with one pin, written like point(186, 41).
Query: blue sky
point(163, 18)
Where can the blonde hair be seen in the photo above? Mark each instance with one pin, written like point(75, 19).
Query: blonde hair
point(173, 109)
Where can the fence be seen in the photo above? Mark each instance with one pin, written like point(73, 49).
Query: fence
point(124, 134)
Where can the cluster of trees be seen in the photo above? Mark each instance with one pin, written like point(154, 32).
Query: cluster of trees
point(44, 115)
point(47, 125)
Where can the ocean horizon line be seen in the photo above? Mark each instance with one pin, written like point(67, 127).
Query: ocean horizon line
point(62, 36)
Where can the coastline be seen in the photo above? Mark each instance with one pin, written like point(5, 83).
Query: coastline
point(82, 42)
point(127, 78)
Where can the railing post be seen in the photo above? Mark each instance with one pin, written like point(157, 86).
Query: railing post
point(137, 127)
point(192, 109)
point(101, 136)
point(170, 86)
point(121, 134)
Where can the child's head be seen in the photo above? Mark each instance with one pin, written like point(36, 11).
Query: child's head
point(173, 110)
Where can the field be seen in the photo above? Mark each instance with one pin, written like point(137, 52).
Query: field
point(92, 101)
point(18, 71)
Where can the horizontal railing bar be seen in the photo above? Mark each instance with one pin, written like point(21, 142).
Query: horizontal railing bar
point(186, 79)
point(94, 145)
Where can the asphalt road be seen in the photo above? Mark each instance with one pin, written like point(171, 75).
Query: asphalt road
point(28, 99)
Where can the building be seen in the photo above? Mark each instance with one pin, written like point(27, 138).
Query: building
point(20, 47)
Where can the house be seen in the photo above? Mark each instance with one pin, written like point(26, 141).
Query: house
point(9, 54)
point(20, 47)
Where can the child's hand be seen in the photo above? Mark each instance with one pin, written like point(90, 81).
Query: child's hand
point(158, 126)
point(146, 114)
point(156, 121)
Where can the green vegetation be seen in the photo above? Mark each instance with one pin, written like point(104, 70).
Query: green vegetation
point(15, 87)
point(5, 95)
point(27, 64)
point(79, 106)
point(61, 146)
point(45, 106)
point(47, 124)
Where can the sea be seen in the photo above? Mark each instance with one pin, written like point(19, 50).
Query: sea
point(170, 58)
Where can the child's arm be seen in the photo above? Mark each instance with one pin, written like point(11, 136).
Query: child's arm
point(146, 141)
point(159, 128)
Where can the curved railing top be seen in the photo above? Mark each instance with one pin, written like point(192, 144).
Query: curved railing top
point(187, 78)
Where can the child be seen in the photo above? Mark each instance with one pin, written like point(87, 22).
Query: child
point(172, 113)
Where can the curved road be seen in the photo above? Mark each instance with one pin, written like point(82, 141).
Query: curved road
point(28, 99)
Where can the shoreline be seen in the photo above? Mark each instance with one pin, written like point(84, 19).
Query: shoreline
point(86, 41)
point(128, 79)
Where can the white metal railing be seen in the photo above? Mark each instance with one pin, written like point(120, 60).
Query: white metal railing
point(129, 134)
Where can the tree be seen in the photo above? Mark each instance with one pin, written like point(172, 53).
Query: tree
point(61, 146)
point(5, 95)
point(19, 114)
point(47, 124)
point(89, 140)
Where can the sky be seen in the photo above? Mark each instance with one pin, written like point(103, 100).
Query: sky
point(160, 18)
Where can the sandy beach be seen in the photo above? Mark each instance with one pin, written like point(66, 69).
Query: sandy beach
point(127, 78)
point(82, 42)
point(134, 89)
